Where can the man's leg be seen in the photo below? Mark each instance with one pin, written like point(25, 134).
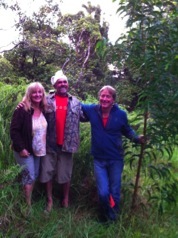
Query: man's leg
point(64, 173)
point(102, 183)
point(49, 188)
point(47, 171)
point(115, 175)
point(65, 194)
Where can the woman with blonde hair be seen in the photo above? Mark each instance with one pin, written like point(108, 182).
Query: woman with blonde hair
point(28, 134)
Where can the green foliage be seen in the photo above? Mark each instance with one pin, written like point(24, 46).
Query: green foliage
point(11, 95)
point(51, 41)
point(79, 220)
point(149, 50)
point(158, 179)
point(101, 48)
point(9, 196)
point(83, 177)
point(9, 175)
point(5, 149)
point(6, 68)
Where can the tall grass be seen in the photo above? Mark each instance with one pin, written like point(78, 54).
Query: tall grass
point(5, 144)
point(78, 221)
point(10, 97)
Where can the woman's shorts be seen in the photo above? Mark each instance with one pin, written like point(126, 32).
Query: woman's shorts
point(56, 165)
point(30, 167)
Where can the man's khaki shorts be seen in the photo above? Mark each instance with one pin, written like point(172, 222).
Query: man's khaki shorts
point(56, 165)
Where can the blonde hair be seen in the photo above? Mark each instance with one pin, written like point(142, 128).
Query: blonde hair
point(110, 89)
point(27, 97)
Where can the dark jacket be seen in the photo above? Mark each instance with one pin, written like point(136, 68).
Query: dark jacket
point(106, 142)
point(21, 130)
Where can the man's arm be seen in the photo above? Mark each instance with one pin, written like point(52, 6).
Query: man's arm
point(83, 115)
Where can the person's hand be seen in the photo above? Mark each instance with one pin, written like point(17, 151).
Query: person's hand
point(24, 153)
point(21, 104)
point(142, 139)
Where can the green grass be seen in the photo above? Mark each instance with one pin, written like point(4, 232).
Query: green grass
point(79, 220)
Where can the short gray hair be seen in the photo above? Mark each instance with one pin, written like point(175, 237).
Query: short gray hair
point(111, 90)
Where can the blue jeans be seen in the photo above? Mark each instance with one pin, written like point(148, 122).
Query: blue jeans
point(108, 180)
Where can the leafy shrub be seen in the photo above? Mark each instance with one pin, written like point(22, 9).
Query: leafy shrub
point(10, 97)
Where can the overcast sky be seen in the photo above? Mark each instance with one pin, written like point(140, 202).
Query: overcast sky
point(8, 34)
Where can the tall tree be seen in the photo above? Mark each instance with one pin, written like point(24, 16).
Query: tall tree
point(50, 40)
point(149, 52)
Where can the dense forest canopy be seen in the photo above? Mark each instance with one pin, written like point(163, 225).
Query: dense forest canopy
point(50, 40)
